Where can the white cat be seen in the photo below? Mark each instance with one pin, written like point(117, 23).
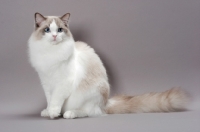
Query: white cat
point(75, 81)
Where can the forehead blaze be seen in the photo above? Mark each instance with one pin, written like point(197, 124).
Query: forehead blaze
point(53, 25)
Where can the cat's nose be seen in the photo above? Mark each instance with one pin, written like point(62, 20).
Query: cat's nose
point(54, 36)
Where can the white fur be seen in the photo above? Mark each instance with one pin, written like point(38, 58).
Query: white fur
point(61, 67)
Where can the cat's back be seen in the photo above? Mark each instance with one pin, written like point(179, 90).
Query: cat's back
point(87, 53)
point(83, 47)
point(87, 57)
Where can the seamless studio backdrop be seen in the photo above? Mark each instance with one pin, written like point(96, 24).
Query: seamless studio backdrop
point(146, 46)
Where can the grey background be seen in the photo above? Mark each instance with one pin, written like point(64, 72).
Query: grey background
point(146, 46)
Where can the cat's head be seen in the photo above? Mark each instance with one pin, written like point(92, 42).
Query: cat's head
point(51, 28)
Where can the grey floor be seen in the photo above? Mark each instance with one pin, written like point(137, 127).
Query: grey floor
point(149, 122)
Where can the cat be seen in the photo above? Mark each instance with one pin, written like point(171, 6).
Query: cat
point(75, 81)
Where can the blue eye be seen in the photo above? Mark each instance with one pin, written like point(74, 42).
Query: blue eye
point(47, 30)
point(60, 29)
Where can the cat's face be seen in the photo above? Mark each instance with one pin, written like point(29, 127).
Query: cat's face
point(52, 29)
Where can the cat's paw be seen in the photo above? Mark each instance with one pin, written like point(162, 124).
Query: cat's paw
point(70, 115)
point(44, 113)
point(54, 112)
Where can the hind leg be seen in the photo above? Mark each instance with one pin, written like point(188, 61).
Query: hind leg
point(71, 114)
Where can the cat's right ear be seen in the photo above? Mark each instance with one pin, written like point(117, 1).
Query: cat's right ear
point(39, 19)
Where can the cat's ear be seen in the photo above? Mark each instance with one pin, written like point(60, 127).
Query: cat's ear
point(65, 19)
point(39, 19)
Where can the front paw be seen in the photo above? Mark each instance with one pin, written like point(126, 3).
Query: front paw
point(54, 112)
point(45, 113)
point(70, 115)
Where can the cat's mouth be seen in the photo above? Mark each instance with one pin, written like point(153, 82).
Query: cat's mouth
point(54, 42)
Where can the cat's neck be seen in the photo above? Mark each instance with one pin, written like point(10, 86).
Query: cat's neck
point(64, 50)
point(48, 54)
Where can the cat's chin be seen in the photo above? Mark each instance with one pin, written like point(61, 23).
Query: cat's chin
point(55, 42)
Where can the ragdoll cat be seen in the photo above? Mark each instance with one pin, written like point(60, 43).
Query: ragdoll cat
point(75, 81)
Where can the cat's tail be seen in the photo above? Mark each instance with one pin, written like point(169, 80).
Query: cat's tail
point(171, 100)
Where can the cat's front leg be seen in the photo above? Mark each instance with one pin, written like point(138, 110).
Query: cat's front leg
point(57, 99)
point(45, 113)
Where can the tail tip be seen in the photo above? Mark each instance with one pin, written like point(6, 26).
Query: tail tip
point(179, 98)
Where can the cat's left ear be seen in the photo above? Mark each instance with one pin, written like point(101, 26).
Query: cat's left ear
point(65, 19)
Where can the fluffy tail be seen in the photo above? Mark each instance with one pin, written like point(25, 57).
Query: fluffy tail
point(172, 100)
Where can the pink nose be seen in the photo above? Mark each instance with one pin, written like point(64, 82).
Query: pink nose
point(54, 36)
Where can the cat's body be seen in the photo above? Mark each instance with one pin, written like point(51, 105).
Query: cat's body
point(74, 78)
